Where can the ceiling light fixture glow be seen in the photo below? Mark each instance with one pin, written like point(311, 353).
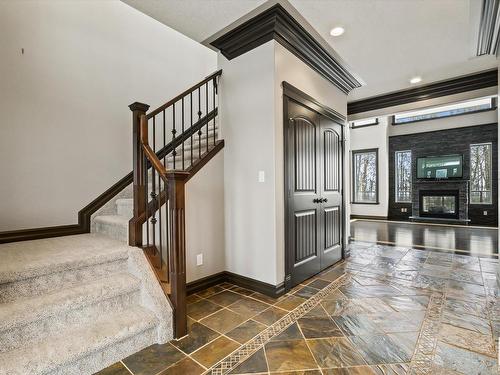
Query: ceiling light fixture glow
point(337, 31)
point(416, 80)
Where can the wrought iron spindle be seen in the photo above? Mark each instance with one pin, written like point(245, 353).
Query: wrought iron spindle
point(153, 213)
point(191, 119)
point(160, 228)
point(206, 113)
point(199, 118)
point(214, 90)
point(164, 136)
point(174, 152)
point(146, 210)
point(182, 127)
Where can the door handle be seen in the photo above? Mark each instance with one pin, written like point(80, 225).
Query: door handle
point(325, 200)
point(317, 200)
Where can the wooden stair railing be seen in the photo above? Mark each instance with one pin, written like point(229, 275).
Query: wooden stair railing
point(161, 170)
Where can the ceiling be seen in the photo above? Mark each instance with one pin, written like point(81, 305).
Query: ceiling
point(386, 42)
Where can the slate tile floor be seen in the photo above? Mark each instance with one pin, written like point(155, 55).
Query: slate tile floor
point(371, 325)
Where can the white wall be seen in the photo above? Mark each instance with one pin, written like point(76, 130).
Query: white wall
point(65, 135)
point(205, 220)
point(291, 69)
point(247, 118)
point(252, 120)
point(373, 137)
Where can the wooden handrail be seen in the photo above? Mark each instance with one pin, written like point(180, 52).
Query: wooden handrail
point(164, 244)
point(180, 96)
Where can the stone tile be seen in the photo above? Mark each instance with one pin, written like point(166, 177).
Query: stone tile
point(153, 359)
point(463, 307)
point(184, 367)
point(240, 290)
point(246, 331)
point(466, 321)
point(289, 355)
point(407, 303)
point(192, 298)
point(255, 364)
point(300, 372)
point(223, 321)
point(369, 291)
point(460, 289)
point(335, 352)
point(225, 298)
point(313, 328)
point(318, 284)
point(358, 370)
point(201, 309)
point(306, 292)
point(406, 341)
point(198, 336)
point(271, 315)
point(488, 267)
point(213, 352)
point(429, 282)
point(353, 325)
point(316, 312)
point(263, 298)
point(291, 333)
point(115, 369)
point(248, 307)
point(209, 291)
point(379, 349)
point(464, 361)
point(398, 321)
point(290, 302)
point(332, 275)
point(467, 276)
point(467, 339)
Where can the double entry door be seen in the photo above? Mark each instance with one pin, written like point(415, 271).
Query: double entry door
point(314, 217)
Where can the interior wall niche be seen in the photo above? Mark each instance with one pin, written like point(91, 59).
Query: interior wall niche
point(445, 142)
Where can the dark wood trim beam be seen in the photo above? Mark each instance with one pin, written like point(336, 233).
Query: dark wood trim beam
point(367, 217)
point(276, 23)
point(453, 86)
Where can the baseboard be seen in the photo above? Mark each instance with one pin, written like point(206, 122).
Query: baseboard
point(366, 217)
point(243, 281)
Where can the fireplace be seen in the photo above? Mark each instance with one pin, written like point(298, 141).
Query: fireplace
point(443, 204)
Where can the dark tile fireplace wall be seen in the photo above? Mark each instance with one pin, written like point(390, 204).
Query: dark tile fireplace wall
point(444, 142)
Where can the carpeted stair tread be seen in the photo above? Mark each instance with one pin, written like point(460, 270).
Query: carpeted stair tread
point(25, 311)
point(28, 259)
point(77, 343)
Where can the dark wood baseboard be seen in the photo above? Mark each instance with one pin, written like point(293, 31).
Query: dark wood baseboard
point(366, 217)
point(242, 281)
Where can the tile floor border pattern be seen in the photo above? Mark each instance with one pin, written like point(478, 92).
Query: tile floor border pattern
point(245, 351)
point(421, 363)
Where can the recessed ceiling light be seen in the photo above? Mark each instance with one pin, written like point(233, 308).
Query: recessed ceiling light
point(337, 31)
point(416, 80)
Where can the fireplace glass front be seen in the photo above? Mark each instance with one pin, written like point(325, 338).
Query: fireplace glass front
point(439, 205)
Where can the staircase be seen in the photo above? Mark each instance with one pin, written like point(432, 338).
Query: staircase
point(113, 219)
point(79, 303)
point(76, 304)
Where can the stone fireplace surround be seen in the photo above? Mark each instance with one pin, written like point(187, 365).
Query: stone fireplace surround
point(463, 197)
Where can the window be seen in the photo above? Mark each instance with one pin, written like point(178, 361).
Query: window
point(363, 123)
point(480, 173)
point(445, 111)
point(365, 176)
point(402, 162)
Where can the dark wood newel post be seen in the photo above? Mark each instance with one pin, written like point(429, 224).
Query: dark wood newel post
point(135, 229)
point(176, 191)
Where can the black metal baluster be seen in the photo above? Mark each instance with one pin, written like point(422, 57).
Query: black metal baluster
point(199, 118)
point(164, 136)
point(214, 89)
point(174, 152)
point(160, 228)
point(182, 124)
point(206, 112)
point(153, 213)
point(191, 117)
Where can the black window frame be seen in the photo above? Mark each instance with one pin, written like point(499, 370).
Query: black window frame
point(353, 175)
point(493, 101)
point(352, 126)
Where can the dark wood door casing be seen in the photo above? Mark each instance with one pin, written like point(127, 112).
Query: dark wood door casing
point(314, 207)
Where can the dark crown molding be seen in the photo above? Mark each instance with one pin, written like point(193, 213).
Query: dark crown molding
point(458, 85)
point(276, 23)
